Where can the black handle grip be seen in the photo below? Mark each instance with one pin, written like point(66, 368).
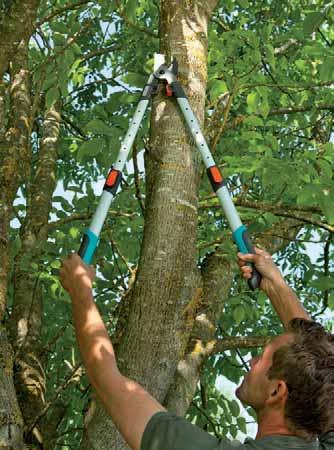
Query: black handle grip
point(255, 281)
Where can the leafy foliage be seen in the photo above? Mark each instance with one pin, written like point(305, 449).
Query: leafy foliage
point(276, 62)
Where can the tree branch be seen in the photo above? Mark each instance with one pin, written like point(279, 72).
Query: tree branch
point(100, 52)
point(70, 41)
point(85, 217)
point(263, 205)
point(208, 418)
point(296, 109)
point(74, 126)
point(222, 345)
point(300, 86)
point(222, 127)
point(78, 91)
point(59, 390)
point(63, 10)
point(279, 51)
point(279, 210)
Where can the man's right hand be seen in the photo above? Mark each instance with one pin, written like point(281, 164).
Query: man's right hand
point(271, 275)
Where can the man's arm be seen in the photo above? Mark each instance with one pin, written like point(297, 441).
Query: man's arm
point(128, 404)
point(282, 297)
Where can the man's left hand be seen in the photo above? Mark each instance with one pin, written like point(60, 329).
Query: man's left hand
point(75, 275)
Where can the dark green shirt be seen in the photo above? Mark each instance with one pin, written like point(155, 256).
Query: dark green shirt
point(165, 431)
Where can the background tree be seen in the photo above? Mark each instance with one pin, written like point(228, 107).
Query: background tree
point(260, 78)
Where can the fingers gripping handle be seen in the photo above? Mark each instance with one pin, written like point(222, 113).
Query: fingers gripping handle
point(88, 245)
point(245, 246)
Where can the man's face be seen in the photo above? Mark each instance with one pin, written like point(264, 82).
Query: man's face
point(256, 386)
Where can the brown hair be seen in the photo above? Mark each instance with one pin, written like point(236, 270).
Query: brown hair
point(307, 367)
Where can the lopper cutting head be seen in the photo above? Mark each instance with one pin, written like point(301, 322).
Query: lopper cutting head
point(167, 73)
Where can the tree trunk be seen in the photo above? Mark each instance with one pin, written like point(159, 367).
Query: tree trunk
point(165, 295)
point(26, 318)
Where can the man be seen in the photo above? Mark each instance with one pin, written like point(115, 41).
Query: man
point(290, 386)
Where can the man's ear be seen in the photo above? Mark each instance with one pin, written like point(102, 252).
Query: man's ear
point(278, 392)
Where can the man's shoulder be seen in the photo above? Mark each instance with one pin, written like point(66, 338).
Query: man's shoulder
point(167, 430)
point(327, 441)
point(277, 442)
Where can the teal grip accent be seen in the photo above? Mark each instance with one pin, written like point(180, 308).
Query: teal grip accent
point(244, 244)
point(238, 236)
point(88, 245)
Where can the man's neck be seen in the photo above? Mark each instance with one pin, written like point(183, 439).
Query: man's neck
point(272, 423)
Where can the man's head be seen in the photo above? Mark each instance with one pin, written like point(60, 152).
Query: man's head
point(257, 389)
point(295, 375)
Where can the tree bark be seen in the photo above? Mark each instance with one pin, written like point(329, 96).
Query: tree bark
point(15, 131)
point(26, 319)
point(11, 422)
point(165, 295)
point(16, 26)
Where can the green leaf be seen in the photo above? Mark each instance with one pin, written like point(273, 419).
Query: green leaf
point(234, 408)
point(74, 232)
point(98, 127)
point(239, 314)
point(270, 55)
point(243, 3)
point(323, 283)
point(56, 264)
point(90, 148)
point(52, 96)
point(217, 88)
point(254, 121)
point(328, 209)
point(50, 81)
point(135, 79)
point(130, 9)
point(60, 27)
point(241, 421)
point(331, 300)
point(326, 70)
point(59, 39)
point(253, 101)
point(312, 22)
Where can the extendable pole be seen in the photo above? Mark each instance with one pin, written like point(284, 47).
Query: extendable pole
point(90, 238)
point(239, 230)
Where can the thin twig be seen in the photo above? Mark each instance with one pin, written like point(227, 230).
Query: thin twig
point(99, 52)
point(85, 217)
point(59, 390)
point(114, 244)
point(324, 38)
point(208, 418)
point(70, 41)
point(226, 112)
point(74, 126)
point(63, 10)
point(86, 86)
point(278, 210)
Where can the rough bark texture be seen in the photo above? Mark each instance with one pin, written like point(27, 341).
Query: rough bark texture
point(11, 422)
point(15, 130)
point(26, 318)
point(166, 288)
point(15, 26)
point(217, 279)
